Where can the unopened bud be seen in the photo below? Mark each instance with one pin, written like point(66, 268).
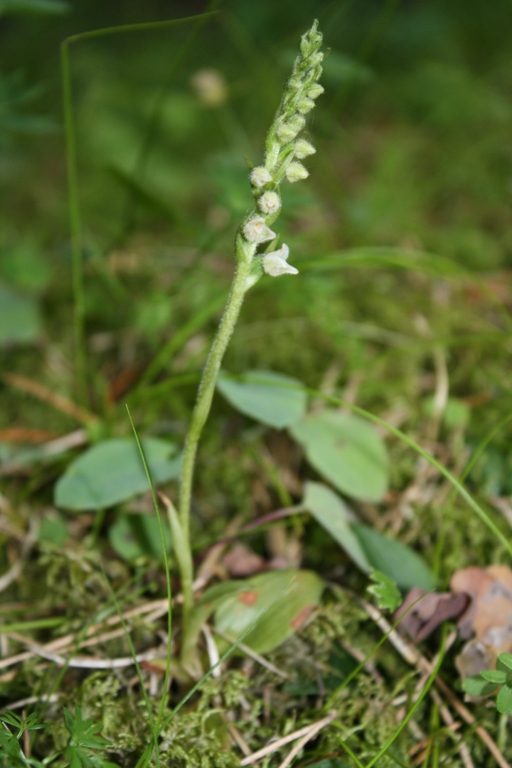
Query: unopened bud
point(289, 130)
point(305, 105)
point(296, 172)
point(303, 149)
point(315, 91)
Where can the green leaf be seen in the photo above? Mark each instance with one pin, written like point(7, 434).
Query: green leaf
point(272, 398)
point(112, 471)
point(331, 512)
point(496, 676)
point(20, 322)
point(477, 686)
point(347, 451)
point(394, 559)
point(504, 662)
point(504, 700)
point(297, 593)
point(385, 591)
point(135, 536)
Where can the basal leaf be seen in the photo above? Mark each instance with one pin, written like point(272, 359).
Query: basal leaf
point(295, 593)
point(347, 451)
point(397, 561)
point(331, 512)
point(135, 536)
point(271, 398)
point(20, 322)
point(112, 471)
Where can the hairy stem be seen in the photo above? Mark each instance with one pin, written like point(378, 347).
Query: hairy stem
point(200, 414)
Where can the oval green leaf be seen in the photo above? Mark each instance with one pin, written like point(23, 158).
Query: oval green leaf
point(504, 700)
point(331, 512)
point(397, 561)
point(136, 536)
point(347, 451)
point(112, 471)
point(271, 398)
point(295, 594)
point(20, 321)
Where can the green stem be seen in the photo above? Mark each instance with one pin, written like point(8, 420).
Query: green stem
point(76, 228)
point(203, 404)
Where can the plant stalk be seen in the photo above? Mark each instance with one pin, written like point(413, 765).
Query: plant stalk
point(200, 415)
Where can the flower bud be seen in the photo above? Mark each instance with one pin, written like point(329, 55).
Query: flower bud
point(315, 91)
point(296, 172)
point(305, 105)
point(275, 263)
point(289, 130)
point(303, 149)
point(294, 83)
point(315, 59)
point(285, 133)
point(256, 231)
point(297, 123)
point(260, 176)
point(269, 202)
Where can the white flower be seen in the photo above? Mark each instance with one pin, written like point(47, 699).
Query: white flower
point(296, 172)
point(269, 202)
point(256, 231)
point(260, 176)
point(275, 263)
point(303, 149)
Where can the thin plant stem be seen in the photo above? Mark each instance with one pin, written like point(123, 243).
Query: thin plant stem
point(75, 226)
point(201, 411)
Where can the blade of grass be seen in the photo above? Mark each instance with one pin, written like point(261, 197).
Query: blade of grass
point(167, 572)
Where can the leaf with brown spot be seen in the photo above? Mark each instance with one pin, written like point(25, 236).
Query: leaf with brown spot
point(284, 601)
point(248, 598)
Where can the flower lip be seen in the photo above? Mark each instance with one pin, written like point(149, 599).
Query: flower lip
point(275, 263)
point(256, 231)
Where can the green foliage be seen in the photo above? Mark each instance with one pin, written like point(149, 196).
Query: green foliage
point(285, 598)
point(347, 451)
point(490, 679)
point(272, 398)
point(112, 471)
point(368, 548)
point(385, 591)
point(82, 750)
point(20, 321)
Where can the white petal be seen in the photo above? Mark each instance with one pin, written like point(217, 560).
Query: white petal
point(275, 263)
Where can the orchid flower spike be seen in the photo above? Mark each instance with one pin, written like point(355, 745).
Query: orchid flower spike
point(275, 263)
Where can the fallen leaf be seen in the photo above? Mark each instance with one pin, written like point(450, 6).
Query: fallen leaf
point(488, 617)
point(241, 561)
